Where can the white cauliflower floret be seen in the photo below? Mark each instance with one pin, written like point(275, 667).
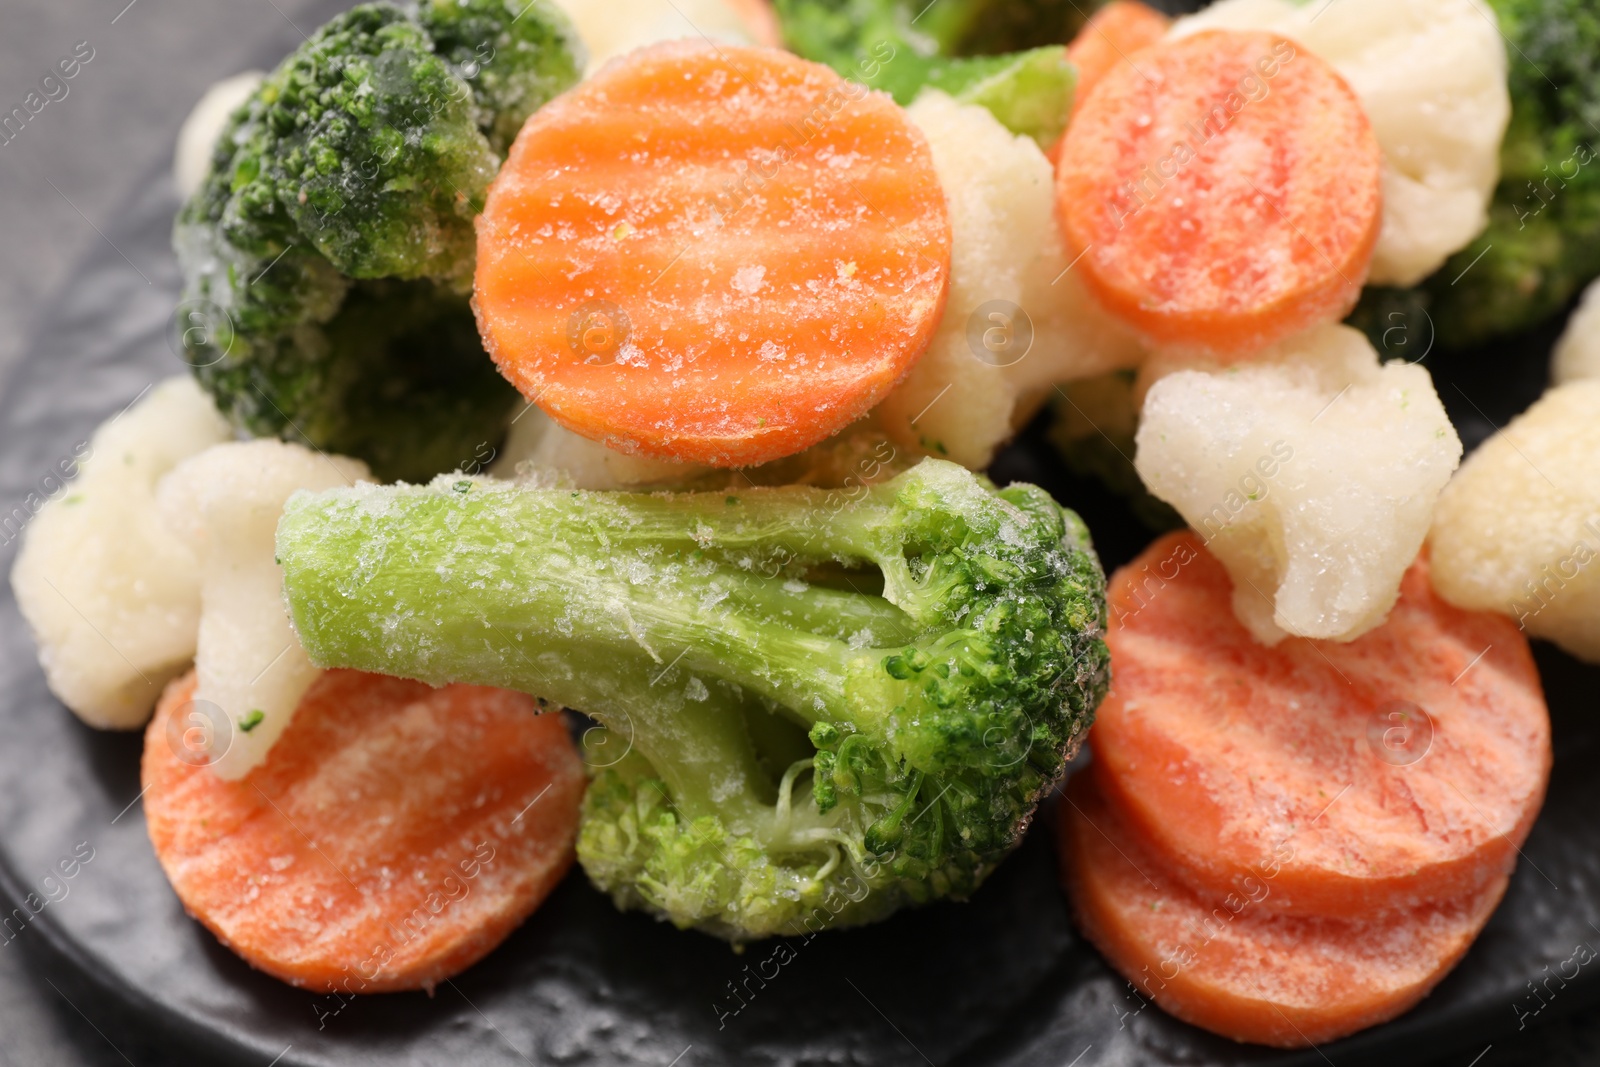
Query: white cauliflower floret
point(539, 448)
point(963, 398)
point(113, 598)
point(610, 28)
point(225, 504)
point(1311, 474)
point(1432, 77)
point(1577, 353)
point(198, 135)
point(1517, 531)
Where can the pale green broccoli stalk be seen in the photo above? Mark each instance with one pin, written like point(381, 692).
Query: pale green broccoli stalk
point(1543, 240)
point(903, 48)
point(831, 695)
point(335, 230)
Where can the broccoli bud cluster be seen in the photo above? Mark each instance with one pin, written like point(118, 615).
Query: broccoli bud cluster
point(329, 252)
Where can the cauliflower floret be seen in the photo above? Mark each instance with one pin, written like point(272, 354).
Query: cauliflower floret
point(610, 28)
point(962, 398)
point(112, 597)
point(224, 504)
point(1432, 77)
point(1311, 474)
point(541, 449)
point(1518, 530)
point(200, 130)
point(1577, 353)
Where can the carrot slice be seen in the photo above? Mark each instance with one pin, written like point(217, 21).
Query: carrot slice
point(1110, 37)
point(1404, 767)
point(1237, 969)
point(712, 253)
point(394, 835)
point(1225, 194)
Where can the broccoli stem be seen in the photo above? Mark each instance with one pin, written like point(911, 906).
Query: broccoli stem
point(503, 587)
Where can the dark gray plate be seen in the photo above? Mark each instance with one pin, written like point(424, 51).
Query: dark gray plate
point(1003, 979)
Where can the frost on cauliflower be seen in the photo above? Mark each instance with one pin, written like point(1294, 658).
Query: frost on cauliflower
point(1432, 77)
point(1311, 474)
point(963, 398)
point(1517, 531)
point(111, 596)
point(1577, 353)
point(224, 505)
point(610, 28)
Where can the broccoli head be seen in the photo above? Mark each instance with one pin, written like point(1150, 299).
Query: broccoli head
point(853, 696)
point(903, 47)
point(334, 230)
point(1543, 240)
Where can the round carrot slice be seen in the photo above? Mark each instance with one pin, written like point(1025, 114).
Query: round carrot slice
point(1398, 769)
point(1109, 38)
point(1223, 190)
point(712, 253)
point(1237, 969)
point(395, 834)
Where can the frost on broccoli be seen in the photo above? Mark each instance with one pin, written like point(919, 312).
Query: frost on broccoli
point(331, 247)
point(821, 693)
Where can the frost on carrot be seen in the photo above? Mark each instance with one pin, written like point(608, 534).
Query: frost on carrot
point(715, 254)
point(1225, 194)
point(394, 836)
point(1225, 963)
point(1404, 767)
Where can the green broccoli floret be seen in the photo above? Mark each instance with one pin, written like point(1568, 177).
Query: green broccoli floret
point(903, 47)
point(334, 230)
point(1543, 240)
point(852, 696)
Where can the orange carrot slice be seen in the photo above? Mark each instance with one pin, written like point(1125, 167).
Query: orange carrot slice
point(1110, 37)
point(712, 253)
point(1402, 768)
point(1229, 965)
point(394, 835)
point(1225, 194)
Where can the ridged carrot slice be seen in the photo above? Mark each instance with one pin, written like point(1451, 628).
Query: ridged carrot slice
point(394, 836)
point(1223, 190)
point(1231, 966)
point(712, 253)
point(1398, 769)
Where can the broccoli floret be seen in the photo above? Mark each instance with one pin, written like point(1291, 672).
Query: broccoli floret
point(1543, 240)
point(514, 56)
point(903, 48)
point(842, 31)
point(853, 696)
point(335, 230)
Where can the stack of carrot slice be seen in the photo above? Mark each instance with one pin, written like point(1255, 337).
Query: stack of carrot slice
point(1288, 844)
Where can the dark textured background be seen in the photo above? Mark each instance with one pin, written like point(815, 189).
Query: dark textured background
point(62, 181)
